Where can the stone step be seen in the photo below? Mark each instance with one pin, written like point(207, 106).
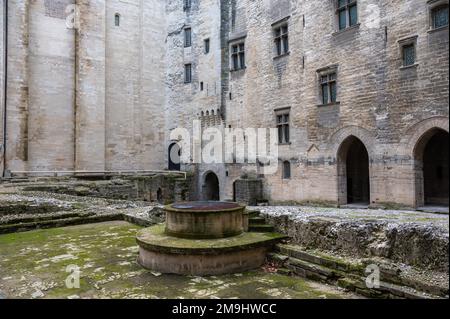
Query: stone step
point(253, 213)
point(351, 275)
point(312, 271)
point(23, 227)
point(261, 228)
point(385, 290)
point(24, 219)
point(257, 221)
point(323, 260)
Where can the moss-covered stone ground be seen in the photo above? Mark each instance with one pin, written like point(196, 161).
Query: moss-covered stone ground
point(34, 265)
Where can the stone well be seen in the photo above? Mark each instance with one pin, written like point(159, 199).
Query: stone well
point(203, 238)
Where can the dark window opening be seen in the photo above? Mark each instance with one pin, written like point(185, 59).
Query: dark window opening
point(439, 16)
point(201, 86)
point(281, 40)
point(347, 13)
point(238, 56)
point(207, 45)
point(328, 84)
point(409, 54)
point(283, 128)
point(188, 73)
point(187, 37)
point(117, 20)
point(187, 4)
point(286, 170)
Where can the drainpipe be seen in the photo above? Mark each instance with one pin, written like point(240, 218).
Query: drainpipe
point(5, 68)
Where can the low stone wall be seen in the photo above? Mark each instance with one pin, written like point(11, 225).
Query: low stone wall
point(417, 244)
point(164, 189)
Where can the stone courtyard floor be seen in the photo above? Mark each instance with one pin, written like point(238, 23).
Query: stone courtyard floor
point(34, 264)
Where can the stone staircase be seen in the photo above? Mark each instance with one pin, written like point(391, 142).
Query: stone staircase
point(350, 275)
point(21, 223)
point(258, 224)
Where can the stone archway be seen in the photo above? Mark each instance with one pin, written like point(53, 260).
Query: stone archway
point(432, 169)
point(211, 187)
point(353, 172)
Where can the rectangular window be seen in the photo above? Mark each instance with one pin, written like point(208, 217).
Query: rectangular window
point(439, 16)
point(283, 128)
point(347, 13)
point(281, 34)
point(328, 87)
point(187, 4)
point(187, 37)
point(238, 56)
point(207, 44)
point(409, 54)
point(188, 73)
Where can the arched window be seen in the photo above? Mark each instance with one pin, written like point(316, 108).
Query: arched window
point(117, 20)
point(286, 170)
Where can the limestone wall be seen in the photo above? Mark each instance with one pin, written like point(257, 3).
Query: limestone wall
point(106, 97)
point(86, 98)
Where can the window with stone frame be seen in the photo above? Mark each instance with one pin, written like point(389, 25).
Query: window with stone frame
point(347, 13)
point(287, 174)
point(328, 87)
point(281, 39)
point(439, 16)
point(408, 51)
point(117, 20)
point(188, 73)
point(187, 37)
point(238, 56)
point(283, 126)
point(409, 54)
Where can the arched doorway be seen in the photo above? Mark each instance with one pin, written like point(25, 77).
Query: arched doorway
point(211, 188)
point(174, 157)
point(353, 173)
point(431, 158)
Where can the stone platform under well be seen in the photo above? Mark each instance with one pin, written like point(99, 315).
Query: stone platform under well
point(166, 254)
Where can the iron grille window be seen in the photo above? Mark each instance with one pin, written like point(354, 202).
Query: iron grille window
point(188, 73)
point(281, 39)
point(283, 128)
point(347, 12)
point(328, 84)
point(439, 16)
point(238, 56)
point(409, 55)
point(187, 37)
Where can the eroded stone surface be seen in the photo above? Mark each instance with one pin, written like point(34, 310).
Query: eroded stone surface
point(414, 238)
point(34, 264)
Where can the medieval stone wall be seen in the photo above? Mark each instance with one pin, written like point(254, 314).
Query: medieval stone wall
point(106, 97)
point(88, 97)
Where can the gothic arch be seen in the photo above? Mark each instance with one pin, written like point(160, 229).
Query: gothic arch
point(364, 135)
point(210, 186)
point(353, 172)
point(413, 134)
